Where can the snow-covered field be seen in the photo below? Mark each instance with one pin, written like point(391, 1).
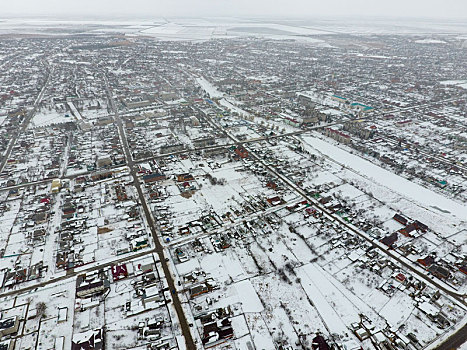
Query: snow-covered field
point(44, 118)
point(460, 83)
point(424, 197)
point(209, 88)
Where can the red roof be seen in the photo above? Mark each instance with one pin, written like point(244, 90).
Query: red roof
point(429, 260)
point(119, 271)
point(400, 277)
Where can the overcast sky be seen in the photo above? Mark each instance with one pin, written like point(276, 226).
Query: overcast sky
point(206, 8)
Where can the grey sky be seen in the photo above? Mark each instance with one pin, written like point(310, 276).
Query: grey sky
point(206, 8)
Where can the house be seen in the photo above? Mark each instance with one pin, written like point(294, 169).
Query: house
point(181, 256)
point(90, 340)
point(404, 123)
point(390, 240)
point(80, 180)
point(241, 152)
point(154, 177)
point(360, 106)
point(59, 343)
point(153, 294)
point(428, 261)
point(362, 334)
point(172, 148)
point(119, 271)
point(439, 271)
point(104, 162)
point(102, 176)
point(56, 185)
point(400, 277)
point(198, 290)
point(104, 121)
point(339, 99)
point(91, 284)
point(62, 314)
point(337, 135)
point(68, 210)
point(204, 142)
point(40, 218)
point(145, 268)
point(271, 184)
point(61, 261)
point(407, 230)
point(380, 339)
point(305, 100)
point(212, 152)
point(7, 344)
point(319, 343)
point(21, 275)
point(139, 243)
point(35, 270)
point(45, 200)
point(420, 226)
point(326, 200)
point(9, 326)
point(217, 332)
point(185, 177)
point(400, 219)
point(275, 201)
point(194, 121)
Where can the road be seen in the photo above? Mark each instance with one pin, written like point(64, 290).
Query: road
point(302, 193)
point(446, 161)
point(159, 156)
point(66, 177)
point(190, 345)
point(26, 121)
point(457, 338)
point(238, 142)
point(238, 222)
point(74, 273)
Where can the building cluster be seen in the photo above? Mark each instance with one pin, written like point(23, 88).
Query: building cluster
point(158, 190)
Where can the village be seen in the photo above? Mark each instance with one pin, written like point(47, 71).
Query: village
point(232, 193)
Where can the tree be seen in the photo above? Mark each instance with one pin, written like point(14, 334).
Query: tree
point(40, 308)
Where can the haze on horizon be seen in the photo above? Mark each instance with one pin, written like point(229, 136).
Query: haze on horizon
point(206, 8)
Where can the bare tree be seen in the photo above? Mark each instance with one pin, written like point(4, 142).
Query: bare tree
point(40, 308)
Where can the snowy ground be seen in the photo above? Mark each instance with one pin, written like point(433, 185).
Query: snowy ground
point(428, 199)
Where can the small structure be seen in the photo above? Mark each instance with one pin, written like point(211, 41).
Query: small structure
point(59, 343)
point(62, 314)
point(319, 343)
point(241, 152)
point(104, 162)
point(7, 344)
point(119, 272)
point(194, 122)
point(91, 284)
point(390, 240)
point(185, 177)
point(153, 177)
point(400, 219)
point(427, 262)
point(9, 326)
point(90, 340)
point(439, 272)
point(56, 185)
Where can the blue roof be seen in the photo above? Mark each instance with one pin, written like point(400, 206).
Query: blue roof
point(361, 105)
point(342, 98)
